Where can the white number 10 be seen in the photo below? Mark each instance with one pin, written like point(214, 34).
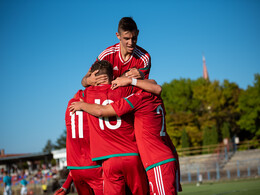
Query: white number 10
point(106, 119)
point(80, 124)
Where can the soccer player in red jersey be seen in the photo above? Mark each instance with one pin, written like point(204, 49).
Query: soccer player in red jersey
point(157, 152)
point(85, 173)
point(125, 55)
point(112, 140)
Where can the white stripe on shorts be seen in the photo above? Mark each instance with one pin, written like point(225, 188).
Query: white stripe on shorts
point(159, 180)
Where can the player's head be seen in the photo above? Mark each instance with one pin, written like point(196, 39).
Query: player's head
point(127, 34)
point(127, 24)
point(104, 67)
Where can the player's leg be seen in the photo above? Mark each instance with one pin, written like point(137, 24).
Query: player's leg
point(94, 178)
point(23, 190)
point(163, 179)
point(135, 175)
point(114, 182)
point(82, 187)
point(7, 190)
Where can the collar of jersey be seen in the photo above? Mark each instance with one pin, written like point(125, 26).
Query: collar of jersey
point(125, 62)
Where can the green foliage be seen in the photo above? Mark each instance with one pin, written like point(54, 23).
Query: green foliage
point(185, 143)
point(214, 135)
point(225, 109)
point(225, 130)
point(206, 136)
point(210, 137)
point(48, 147)
point(178, 96)
point(249, 106)
point(61, 141)
point(53, 162)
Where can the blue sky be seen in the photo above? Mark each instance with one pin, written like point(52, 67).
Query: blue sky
point(47, 46)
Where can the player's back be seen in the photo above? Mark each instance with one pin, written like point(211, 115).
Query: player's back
point(152, 139)
point(114, 136)
point(150, 129)
point(77, 141)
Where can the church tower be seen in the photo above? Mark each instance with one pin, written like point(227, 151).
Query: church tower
point(205, 71)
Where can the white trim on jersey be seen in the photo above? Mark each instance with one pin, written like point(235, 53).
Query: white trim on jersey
point(122, 59)
point(116, 48)
point(109, 51)
point(142, 56)
point(159, 180)
point(106, 54)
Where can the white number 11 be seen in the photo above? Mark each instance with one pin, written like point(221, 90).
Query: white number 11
point(80, 124)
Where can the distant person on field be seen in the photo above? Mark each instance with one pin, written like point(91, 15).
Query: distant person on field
point(24, 187)
point(7, 184)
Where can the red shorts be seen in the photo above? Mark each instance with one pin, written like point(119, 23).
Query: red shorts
point(164, 179)
point(122, 171)
point(87, 179)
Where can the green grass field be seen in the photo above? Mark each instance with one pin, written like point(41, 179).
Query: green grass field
point(239, 187)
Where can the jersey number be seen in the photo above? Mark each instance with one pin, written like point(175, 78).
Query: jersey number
point(159, 108)
point(106, 119)
point(80, 124)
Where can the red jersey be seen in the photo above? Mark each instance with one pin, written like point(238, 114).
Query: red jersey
point(154, 144)
point(77, 142)
point(139, 59)
point(114, 136)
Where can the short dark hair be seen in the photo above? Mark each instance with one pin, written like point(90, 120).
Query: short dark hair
point(127, 24)
point(104, 67)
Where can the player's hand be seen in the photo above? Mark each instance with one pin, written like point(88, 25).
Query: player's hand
point(76, 106)
point(120, 82)
point(135, 73)
point(96, 80)
point(60, 192)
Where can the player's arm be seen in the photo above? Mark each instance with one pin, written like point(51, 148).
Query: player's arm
point(91, 79)
point(148, 85)
point(64, 189)
point(93, 109)
point(84, 81)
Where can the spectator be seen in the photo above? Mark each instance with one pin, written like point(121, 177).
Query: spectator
point(7, 184)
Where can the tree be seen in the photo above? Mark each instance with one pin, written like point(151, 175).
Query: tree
point(185, 143)
point(177, 97)
point(249, 106)
point(206, 136)
point(229, 111)
point(48, 147)
point(61, 141)
point(200, 104)
point(214, 135)
point(225, 130)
